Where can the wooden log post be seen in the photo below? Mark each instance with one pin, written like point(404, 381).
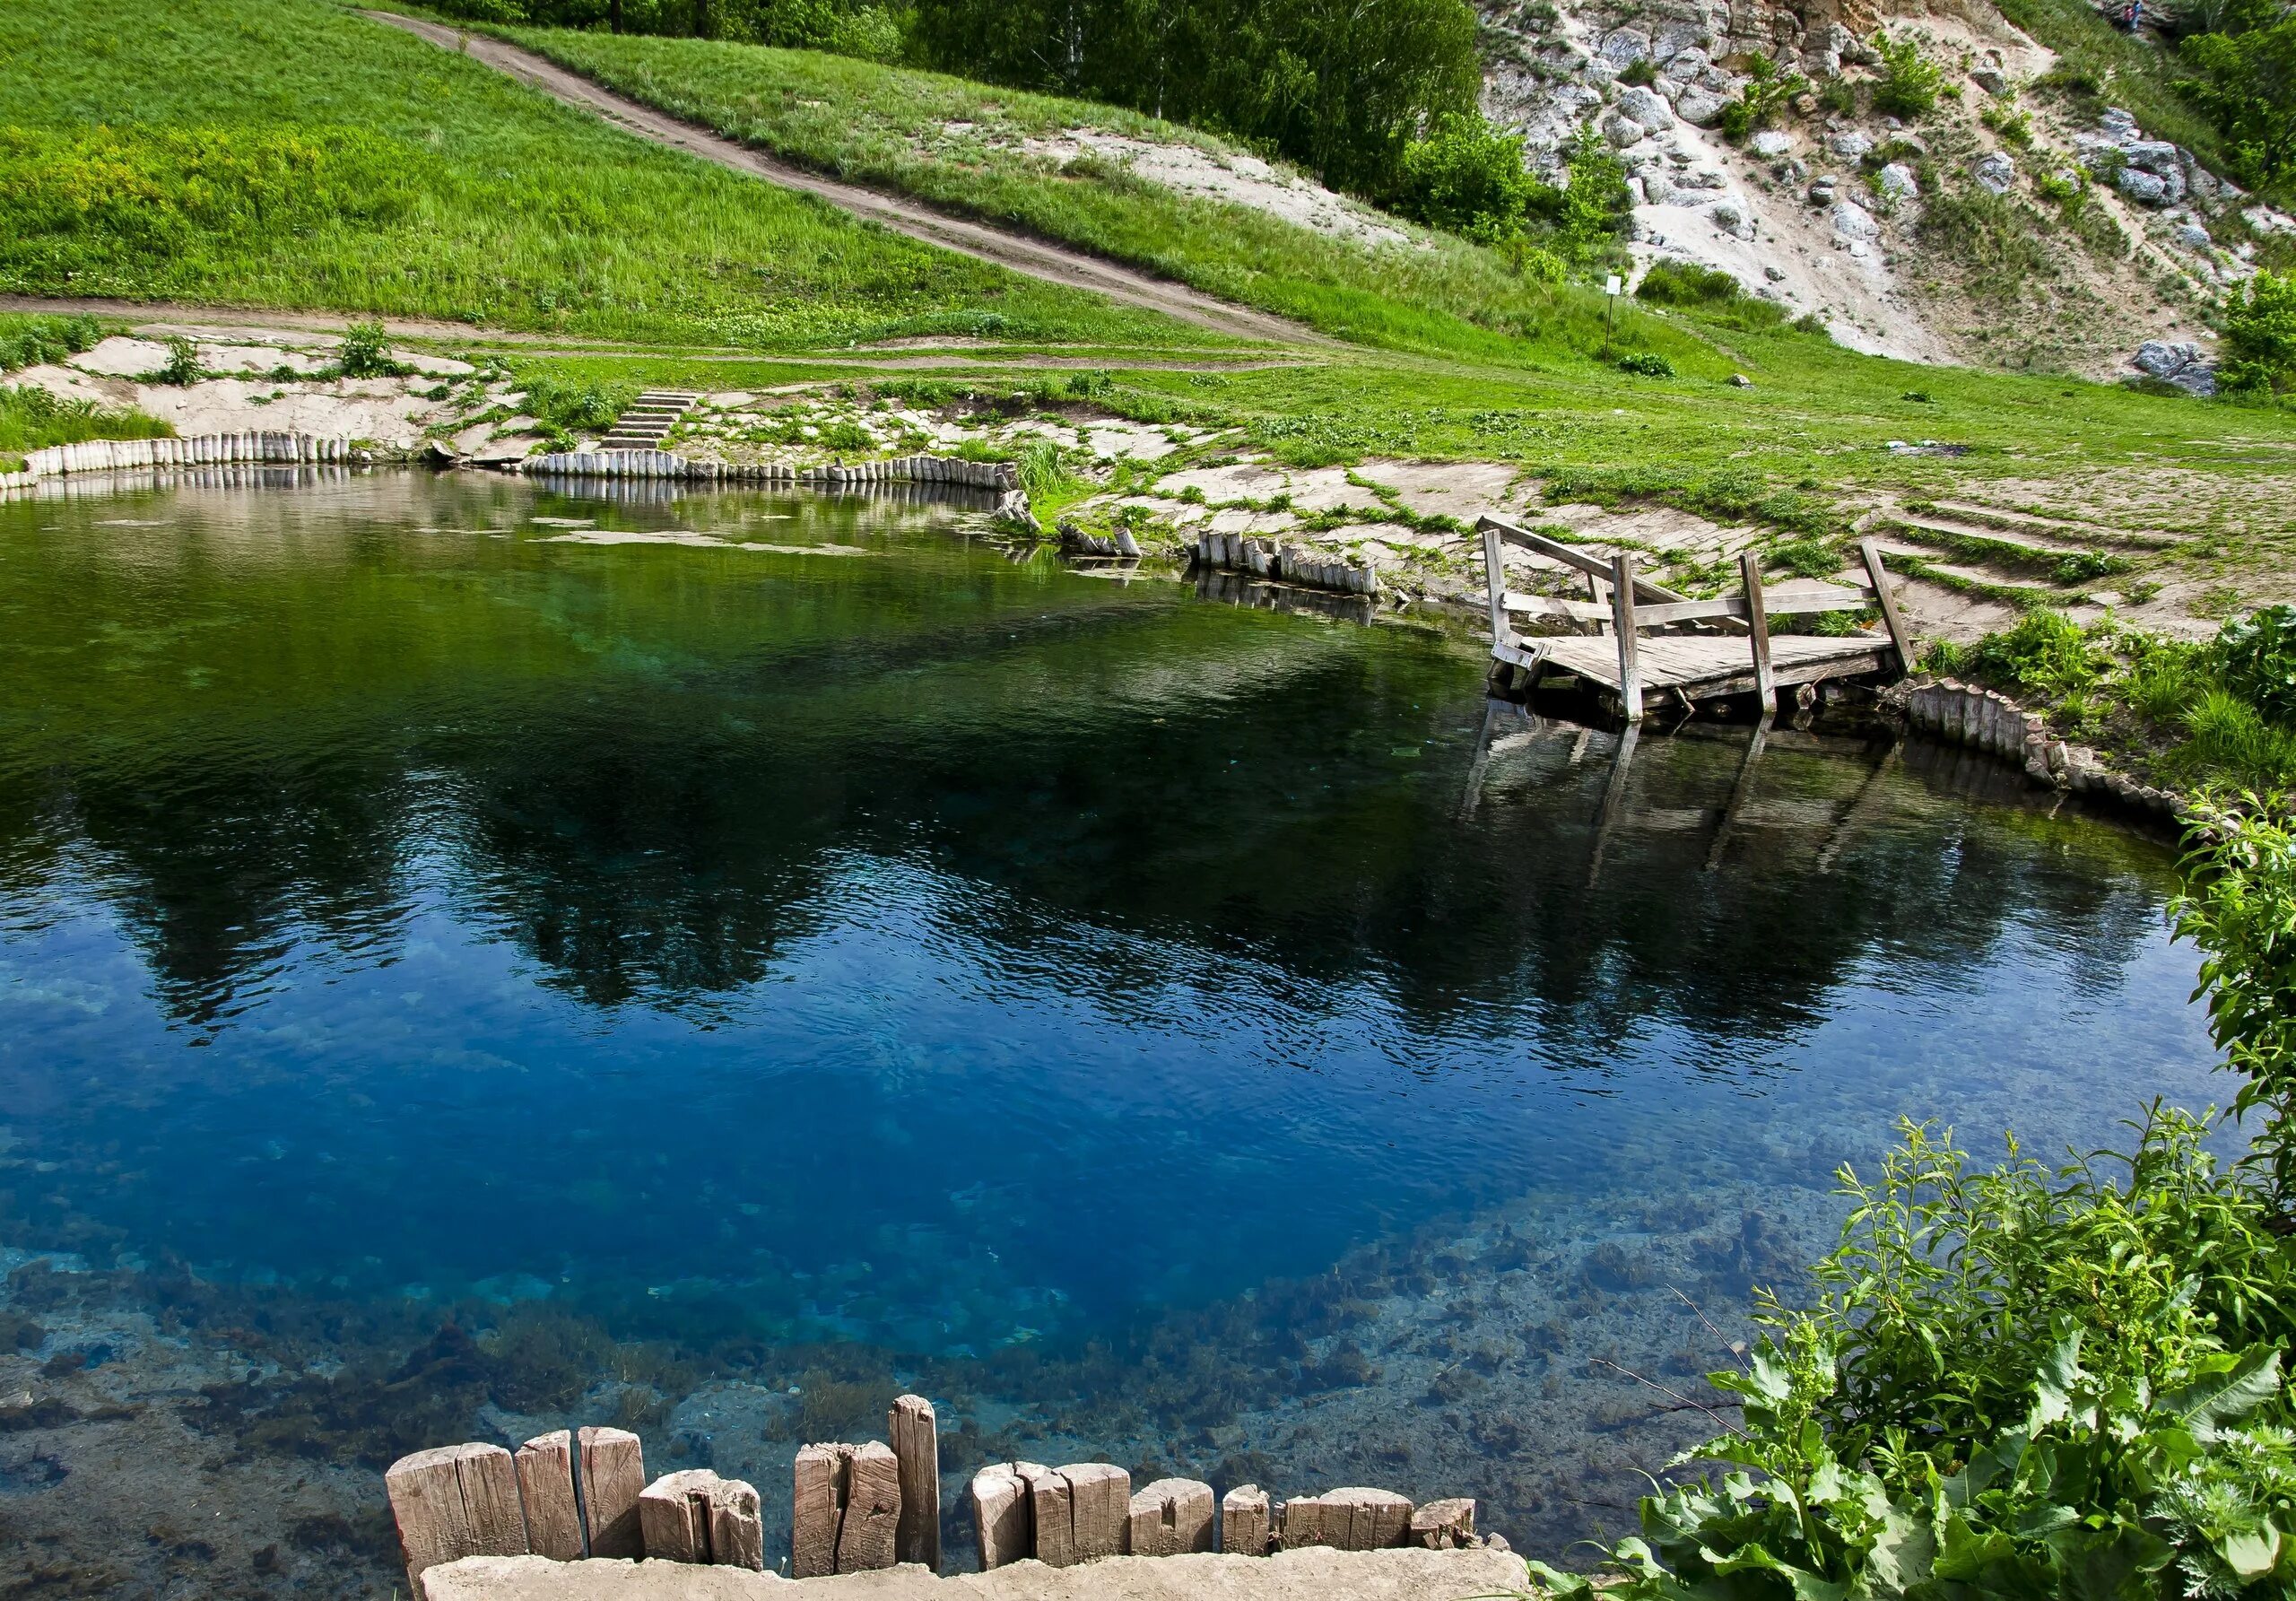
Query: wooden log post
point(1170, 1517)
point(545, 1466)
point(845, 1510)
point(1899, 639)
point(916, 1448)
point(865, 1539)
point(1494, 568)
point(1630, 674)
point(1052, 1515)
point(1758, 632)
point(1244, 1521)
point(614, 1476)
point(1443, 1525)
point(1354, 1518)
point(674, 1514)
point(693, 1515)
point(1099, 1501)
point(453, 1501)
point(1000, 1513)
point(816, 1511)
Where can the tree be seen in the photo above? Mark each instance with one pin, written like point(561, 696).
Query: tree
point(2246, 82)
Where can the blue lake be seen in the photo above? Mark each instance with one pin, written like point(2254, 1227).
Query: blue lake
point(474, 958)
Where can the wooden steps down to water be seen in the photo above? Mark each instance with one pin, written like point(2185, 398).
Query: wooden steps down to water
point(1630, 664)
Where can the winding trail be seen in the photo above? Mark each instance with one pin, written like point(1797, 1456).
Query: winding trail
point(1035, 258)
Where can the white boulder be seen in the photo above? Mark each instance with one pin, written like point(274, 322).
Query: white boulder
point(1854, 222)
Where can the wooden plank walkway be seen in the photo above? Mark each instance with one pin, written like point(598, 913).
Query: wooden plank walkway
point(1621, 659)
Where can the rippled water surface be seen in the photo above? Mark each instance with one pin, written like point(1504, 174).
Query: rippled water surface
point(473, 959)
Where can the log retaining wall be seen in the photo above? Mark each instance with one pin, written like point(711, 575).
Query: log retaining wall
point(1990, 721)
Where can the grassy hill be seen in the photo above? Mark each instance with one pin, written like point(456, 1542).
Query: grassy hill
point(289, 153)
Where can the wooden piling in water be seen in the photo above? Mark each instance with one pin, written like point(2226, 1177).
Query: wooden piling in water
point(614, 1475)
point(1244, 1521)
point(545, 1466)
point(1170, 1517)
point(454, 1501)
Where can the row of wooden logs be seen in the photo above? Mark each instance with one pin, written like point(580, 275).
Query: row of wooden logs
point(1264, 558)
point(1063, 1516)
point(857, 1508)
point(1989, 720)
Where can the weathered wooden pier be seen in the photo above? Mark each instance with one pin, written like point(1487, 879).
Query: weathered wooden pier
point(1628, 662)
point(855, 1509)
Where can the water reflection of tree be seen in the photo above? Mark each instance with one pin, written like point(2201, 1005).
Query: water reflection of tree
point(646, 778)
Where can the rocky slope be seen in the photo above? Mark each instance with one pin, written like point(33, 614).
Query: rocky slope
point(1948, 240)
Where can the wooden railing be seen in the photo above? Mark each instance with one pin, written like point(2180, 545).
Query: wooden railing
point(1626, 604)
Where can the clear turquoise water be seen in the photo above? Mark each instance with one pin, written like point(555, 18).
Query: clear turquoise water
point(920, 966)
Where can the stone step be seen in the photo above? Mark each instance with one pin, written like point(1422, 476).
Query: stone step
point(2089, 535)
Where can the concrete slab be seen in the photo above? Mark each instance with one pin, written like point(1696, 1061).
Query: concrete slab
point(1310, 1574)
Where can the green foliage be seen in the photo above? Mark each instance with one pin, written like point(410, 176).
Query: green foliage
point(848, 27)
point(2259, 653)
point(2260, 337)
point(291, 153)
point(1646, 364)
point(32, 341)
point(576, 407)
point(30, 419)
point(365, 351)
point(2246, 81)
point(2241, 909)
point(2046, 652)
point(182, 367)
point(1910, 82)
point(2014, 1383)
point(1762, 101)
point(2014, 127)
point(1466, 177)
point(1340, 89)
point(1710, 293)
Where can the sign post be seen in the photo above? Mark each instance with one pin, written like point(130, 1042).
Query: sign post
point(1610, 311)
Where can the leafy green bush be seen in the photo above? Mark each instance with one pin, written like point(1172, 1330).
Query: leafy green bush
point(2046, 652)
point(1910, 82)
point(1468, 177)
point(2259, 653)
point(2012, 1384)
point(1762, 101)
point(2260, 337)
point(1709, 292)
point(365, 351)
point(1593, 209)
point(2246, 81)
point(1646, 364)
point(182, 367)
point(586, 407)
point(2240, 907)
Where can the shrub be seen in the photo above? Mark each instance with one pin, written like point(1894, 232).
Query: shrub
point(2014, 1384)
point(1708, 291)
point(2046, 652)
point(2246, 84)
point(182, 366)
point(365, 351)
point(570, 407)
point(2258, 652)
point(1646, 364)
point(1593, 208)
point(2260, 337)
point(1910, 82)
point(1468, 177)
point(1766, 94)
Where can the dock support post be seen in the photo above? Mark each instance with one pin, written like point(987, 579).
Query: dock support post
point(1630, 674)
point(1758, 632)
point(1494, 566)
point(1880, 581)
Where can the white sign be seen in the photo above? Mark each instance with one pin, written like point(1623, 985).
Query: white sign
point(1613, 286)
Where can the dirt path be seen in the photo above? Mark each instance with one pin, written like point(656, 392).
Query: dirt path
point(1054, 263)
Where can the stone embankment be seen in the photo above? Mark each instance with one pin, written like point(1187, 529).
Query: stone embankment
point(214, 449)
point(1989, 720)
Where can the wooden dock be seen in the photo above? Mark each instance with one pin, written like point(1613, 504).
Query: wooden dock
point(1737, 654)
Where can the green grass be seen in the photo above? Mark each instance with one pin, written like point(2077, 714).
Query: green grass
point(892, 128)
point(2099, 65)
point(286, 152)
point(32, 418)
